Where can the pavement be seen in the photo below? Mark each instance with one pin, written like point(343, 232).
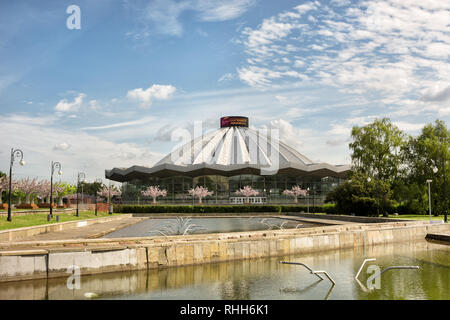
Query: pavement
point(88, 232)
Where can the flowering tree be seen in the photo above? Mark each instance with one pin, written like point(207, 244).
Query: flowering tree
point(4, 185)
point(43, 189)
point(154, 192)
point(247, 192)
point(200, 192)
point(28, 187)
point(106, 192)
point(295, 192)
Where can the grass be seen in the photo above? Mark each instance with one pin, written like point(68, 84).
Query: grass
point(37, 219)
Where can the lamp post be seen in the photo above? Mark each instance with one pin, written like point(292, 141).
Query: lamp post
point(96, 195)
point(429, 196)
point(55, 165)
point(81, 176)
point(109, 199)
point(307, 197)
point(14, 154)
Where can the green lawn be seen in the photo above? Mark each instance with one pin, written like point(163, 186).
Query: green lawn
point(41, 218)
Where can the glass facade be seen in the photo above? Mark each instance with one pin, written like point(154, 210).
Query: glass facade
point(271, 187)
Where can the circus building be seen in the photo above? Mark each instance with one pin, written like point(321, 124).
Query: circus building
point(228, 159)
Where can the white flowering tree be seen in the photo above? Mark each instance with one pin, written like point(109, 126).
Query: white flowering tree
point(295, 192)
point(247, 192)
point(154, 192)
point(200, 193)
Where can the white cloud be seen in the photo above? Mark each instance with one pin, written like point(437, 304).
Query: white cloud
point(156, 91)
point(83, 152)
point(226, 77)
point(64, 146)
point(393, 48)
point(122, 124)
point(66, 106)
point(163, 16)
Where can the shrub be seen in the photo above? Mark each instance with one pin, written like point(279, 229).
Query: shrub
point(329, 208)
point(31, 206)
point(45, 205)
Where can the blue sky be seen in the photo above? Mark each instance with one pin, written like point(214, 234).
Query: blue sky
point(111, 93)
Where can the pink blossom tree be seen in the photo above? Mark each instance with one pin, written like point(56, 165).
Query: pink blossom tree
point(108, 192)
point(200, 193)
point(154, 192)
point(295, 192)
point(4, 185)
point(29, 187)
point(247, 192)
point(44, 190)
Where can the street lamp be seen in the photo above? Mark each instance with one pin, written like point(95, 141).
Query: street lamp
point(307, 197)
point(429, 196)
point(14, 154)
point(96, 195)
point(55, 165)
point(81, 176)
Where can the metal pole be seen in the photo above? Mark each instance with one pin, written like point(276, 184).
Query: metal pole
point(18, 153)
point(51, 192)
point(10, 185)
point(444, 160)
point(78, 187)
point(429, 197)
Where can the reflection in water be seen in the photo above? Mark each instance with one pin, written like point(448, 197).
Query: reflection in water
point(266, 278)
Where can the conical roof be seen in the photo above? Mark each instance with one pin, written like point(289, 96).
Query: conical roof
point(232, 150)
point(235, 145)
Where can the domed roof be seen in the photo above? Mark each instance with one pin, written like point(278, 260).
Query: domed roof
point(231, 150)
point(235, 145)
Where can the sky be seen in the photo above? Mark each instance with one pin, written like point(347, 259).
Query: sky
point(111, 90)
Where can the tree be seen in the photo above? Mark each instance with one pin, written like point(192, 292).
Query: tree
point(108, 192)
point(361, 195)
point(200, 193)
point(4, 185)
point(28, 187)
point(377, 153)
point(428, 157)
point(247, 192)
point(295, 192)
point(154, 192)
point(91, 188)
point(376, 149)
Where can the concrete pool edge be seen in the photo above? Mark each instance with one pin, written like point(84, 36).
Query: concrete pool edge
point(48, 259)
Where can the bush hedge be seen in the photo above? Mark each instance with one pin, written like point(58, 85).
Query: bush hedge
point(328, 208)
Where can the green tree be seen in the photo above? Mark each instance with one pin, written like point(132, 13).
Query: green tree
point(376, 152)
point(91, 188)
point(376, 149)
point(428, 157)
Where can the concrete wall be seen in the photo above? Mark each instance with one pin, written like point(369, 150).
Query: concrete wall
point(53, 258)
point(21, 233)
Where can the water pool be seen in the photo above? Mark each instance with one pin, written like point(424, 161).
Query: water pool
point(172, 226)
point(266, 278)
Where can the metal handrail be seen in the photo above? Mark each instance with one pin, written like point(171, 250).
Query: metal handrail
point(302, 264)
point(362, 265)
point(389, 268)
point(326, 273)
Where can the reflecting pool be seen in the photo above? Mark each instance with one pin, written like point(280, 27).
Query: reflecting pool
point(186, 225)
point(266, 278)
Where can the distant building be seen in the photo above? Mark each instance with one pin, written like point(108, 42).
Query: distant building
point(228, 159)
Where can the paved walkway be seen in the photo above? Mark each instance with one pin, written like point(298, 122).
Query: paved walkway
point(89, 232)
